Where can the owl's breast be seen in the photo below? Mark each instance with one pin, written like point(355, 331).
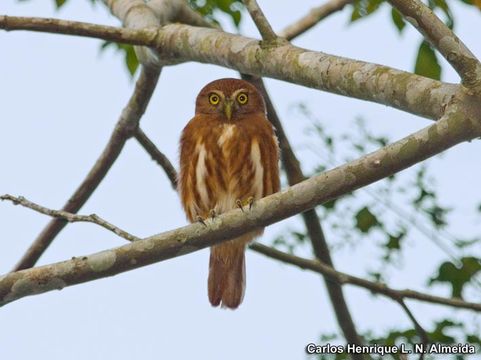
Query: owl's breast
point(227, 165)
point(241, 164)
point(227, 133)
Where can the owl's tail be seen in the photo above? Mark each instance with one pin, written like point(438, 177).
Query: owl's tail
point(227, 269)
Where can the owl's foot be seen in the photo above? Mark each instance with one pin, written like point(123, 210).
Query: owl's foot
point(249, 202)
point(239, 204)
point(212, 214)
point(201, 220)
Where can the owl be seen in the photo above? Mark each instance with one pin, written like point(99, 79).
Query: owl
point(229, 157)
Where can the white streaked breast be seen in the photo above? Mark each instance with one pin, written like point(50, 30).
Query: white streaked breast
point(258, 185)
point(227, 132)
point(200, 175)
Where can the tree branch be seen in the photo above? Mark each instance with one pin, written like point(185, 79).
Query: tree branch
point(177, 43)
point(125, 128)
point(260, 20)
point(157, 156)
point(314, 16)
point(313, 265)
point(459, 124)
point(316, 266)
point(423, 335)
point(343, 279)
point(320, 247)
point(443, 39)
point(69, 217)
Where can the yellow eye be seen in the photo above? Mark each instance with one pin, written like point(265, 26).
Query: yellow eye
point(242, 98)
point(214, 99)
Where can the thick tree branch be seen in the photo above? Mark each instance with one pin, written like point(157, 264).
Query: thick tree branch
point(320, 247)
point(178, 43)
point(461, 123)
point(443, 39)
point(265, 29)
point(157, 156)
point(343, 279)
point(314, 16)
point(69, 217)
point(313, 265)
point(125, 128)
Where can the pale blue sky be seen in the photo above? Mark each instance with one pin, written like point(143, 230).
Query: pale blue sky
point(59, 100)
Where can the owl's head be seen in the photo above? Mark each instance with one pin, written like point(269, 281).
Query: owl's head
point(229, 99)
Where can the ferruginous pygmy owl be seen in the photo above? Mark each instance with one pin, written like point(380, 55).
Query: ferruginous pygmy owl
point(229, 157)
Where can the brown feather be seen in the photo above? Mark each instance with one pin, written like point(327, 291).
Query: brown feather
point(222, 160)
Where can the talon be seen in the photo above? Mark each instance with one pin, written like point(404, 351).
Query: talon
point(239, 204)
point(199, 219)
point(212, 214)
point(250, 201)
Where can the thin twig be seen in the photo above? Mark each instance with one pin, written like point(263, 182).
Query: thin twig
point(343, 278)
point(125, 128)
point(314, 16)
point(423, 335)
point(157, 156)
point(69, 217)
point(443, 39)
point(265, 29)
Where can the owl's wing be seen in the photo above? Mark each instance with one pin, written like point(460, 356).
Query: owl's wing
point(186, 182)
point(201, 179)
point(269, 147)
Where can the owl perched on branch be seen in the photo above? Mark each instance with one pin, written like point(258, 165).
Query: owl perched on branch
point(229, 157)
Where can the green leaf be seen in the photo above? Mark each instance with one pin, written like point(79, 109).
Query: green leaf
point(398, 20)
point(443, 5)
point(394, 241)
point(130, 58)
point(330, 204)
point(456, 276)
point(363, 8)
point(473, 339)
point(376, 276)
point(298, 236)
point(356, 11)
point(424, 194)
point(437, 215)
point(466, 242)
point(208, 8)
point(60, 3)
point(366, 220)
point(427, 62)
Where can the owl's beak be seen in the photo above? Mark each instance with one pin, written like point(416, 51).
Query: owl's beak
point(228, 109)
